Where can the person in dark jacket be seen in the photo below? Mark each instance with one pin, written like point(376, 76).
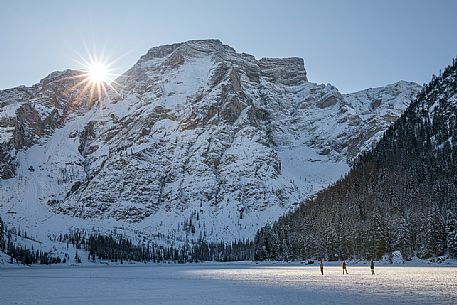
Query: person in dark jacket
point(322, 266)
point(344, 266)
point(372, 266)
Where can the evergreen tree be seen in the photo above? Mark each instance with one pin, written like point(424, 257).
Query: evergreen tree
point(451, 233)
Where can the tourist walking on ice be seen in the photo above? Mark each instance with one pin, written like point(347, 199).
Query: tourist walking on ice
point(322, 266)
point(372, 266)
point(344, 266)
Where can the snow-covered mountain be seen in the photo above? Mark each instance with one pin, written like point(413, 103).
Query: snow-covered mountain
point(197, 141)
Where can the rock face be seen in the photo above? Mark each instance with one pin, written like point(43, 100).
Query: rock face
point(196, 140)
point(29, 114)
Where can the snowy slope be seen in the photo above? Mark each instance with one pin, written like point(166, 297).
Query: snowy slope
point(198, 141)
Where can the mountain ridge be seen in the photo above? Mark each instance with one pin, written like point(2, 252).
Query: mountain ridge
point(198, 142)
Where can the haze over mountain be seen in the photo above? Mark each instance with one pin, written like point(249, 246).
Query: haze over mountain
point(199, 141)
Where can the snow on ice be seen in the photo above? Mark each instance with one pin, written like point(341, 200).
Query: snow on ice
point(227, 284)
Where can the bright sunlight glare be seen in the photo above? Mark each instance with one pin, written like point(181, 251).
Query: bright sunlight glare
point(98, 73)
point(97, 78)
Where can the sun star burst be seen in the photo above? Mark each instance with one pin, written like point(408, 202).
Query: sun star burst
point(97, 78)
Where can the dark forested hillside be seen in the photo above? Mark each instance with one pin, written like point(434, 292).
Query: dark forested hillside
point(400, 196)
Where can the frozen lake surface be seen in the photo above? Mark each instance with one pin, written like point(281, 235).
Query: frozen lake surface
point(226, 284)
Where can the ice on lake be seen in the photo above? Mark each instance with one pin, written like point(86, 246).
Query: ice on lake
point(226, 284)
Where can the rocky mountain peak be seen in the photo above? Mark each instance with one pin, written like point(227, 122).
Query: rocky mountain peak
point(60, 76)
point(288, 71)
point(189, 47)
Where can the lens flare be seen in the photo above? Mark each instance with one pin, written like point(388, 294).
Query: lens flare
point(97, 79)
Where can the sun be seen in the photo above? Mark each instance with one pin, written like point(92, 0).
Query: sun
point(96, 79)
point(98, 73)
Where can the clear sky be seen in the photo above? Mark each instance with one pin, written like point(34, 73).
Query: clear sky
point(351, 44)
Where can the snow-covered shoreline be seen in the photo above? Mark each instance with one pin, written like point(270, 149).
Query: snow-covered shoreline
point(4, 264)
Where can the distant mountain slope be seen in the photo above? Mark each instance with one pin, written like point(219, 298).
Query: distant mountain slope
point(200, 141)
point(400, 196)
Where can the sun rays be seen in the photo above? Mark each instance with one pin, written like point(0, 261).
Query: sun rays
point(95, 79)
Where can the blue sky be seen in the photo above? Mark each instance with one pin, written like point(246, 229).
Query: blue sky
point(350, 44)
